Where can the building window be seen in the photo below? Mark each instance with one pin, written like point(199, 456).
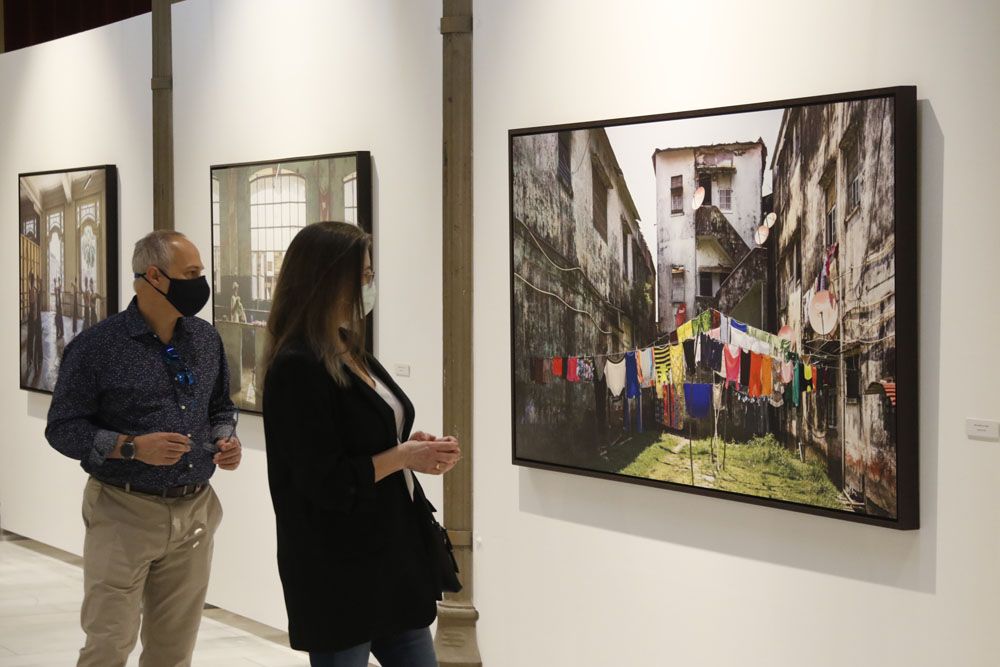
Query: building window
point(600, 212)
point(351, 198)
point(725, 188)
point(626, 252)
point(676, 194)
point(677, 286)
point(705, 284)
point(852, 378)
point(831, 212)
point(277, 213)
point(31, 228)
point(797, 257)
point(217, 235)
point(564, 171)
point(853, 178)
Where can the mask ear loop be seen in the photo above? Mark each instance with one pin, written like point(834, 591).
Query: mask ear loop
point(143, 276)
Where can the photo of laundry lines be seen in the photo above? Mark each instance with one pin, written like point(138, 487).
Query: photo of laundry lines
point(711, 302)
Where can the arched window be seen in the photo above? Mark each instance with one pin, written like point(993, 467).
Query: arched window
point(88, 220)
point(56, 251)
point(216, 236)
point(277, 213)
point(351, 197)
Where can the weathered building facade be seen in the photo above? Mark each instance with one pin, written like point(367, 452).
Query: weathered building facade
point(833, 196)
point(583, 280)
point(699, 248)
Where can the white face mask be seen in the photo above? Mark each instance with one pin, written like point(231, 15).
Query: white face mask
point(368, 297)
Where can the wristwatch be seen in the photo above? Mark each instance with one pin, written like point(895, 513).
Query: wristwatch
point(128, 448)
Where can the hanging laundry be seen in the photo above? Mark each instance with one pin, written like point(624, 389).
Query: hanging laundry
point(677, 364)
point(732, 356)
point(742, 339)
point(685, 331)
point(711, 354)
point(716, 318)
point(601, 404)
point(585, 368)
point(647, 367)
point(744, 369)
point(599, 370)
point(796, 383)
point(538, 370)
point(724, 329)
point(557, 367)
point(737, 325)
point(715, 334)
point(766, 376)
point(689, 356)
point(631, 375)
point(661, 357)
point(717, 402)
point(572, 366)
point(786, 372)
point(807, 377)
point(815, 375)
point(614, 372)
point(698, 400)
point(755, 371)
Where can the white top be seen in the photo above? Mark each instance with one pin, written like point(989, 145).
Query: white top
point(397, 408)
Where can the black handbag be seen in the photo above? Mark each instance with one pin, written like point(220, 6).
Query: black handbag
point(440, 550)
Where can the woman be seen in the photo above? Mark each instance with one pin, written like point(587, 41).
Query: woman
point(352, 555)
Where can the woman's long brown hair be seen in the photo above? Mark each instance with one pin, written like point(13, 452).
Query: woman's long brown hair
point(320, 274)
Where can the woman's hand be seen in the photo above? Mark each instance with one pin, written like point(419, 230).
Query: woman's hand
point(431, 456)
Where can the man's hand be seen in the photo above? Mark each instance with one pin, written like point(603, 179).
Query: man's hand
point(161, 449)
point(230, 453)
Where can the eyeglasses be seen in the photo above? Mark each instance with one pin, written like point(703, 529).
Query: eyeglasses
point(181, 374)
point(367, 277)
point(213, 447)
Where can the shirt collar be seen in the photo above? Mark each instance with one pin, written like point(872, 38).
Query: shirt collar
point(136, 324)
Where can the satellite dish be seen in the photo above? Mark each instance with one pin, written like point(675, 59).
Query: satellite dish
point(823, 312)
point(785, 332)
point(770, 219)
point(762, 233)
point(699, 197)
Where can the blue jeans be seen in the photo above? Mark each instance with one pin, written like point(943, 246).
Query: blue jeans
point(413, 648)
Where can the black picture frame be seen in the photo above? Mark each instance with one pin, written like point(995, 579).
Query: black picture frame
point(904, 116)
point(109, 217)
point(364, 219)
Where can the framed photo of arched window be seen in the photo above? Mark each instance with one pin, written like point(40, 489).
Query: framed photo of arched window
point(68, 263)
point(257, 209)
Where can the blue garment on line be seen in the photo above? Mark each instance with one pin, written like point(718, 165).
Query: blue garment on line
point(631, 375)
point(698, 399)
point(739, 326)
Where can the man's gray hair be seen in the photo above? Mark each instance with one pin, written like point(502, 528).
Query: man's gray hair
point(154, 249)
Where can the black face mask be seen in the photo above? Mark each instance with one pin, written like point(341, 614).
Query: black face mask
point(188, 296)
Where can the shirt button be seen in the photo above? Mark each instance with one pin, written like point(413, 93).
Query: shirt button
point(184, 407)
point(190, 466)
point(189, 435)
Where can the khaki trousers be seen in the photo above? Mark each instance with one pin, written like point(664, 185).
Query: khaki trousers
point(148, 552)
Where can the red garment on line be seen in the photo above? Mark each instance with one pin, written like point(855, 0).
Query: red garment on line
point(755, 364)
point(557, 367)
point(572, 369)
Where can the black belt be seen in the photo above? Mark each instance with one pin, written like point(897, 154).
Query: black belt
point(170, 492)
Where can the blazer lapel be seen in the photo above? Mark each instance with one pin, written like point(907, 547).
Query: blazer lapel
point(388, 416)
point(408, 410)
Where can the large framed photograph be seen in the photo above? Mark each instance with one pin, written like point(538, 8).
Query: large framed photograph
point(723, 302)
point(68, 263)
point(257, 208)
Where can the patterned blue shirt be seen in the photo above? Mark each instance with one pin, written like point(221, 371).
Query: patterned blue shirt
point(115, 378)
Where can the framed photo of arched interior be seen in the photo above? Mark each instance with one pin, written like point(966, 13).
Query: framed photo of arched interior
point(68, 263)
point(257, 209)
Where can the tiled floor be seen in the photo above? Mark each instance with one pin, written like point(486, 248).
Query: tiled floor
point(40, 627)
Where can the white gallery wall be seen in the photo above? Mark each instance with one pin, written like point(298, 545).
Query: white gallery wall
point(253, 81)
point(579, 572)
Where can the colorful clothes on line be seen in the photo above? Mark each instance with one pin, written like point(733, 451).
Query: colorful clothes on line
point(737, 325)
point(631, 375)
point(689, 356)
point(661, 358)
point(677, 365)
point(614, 372)
point(557, 367)
point(585, 368)
point(672, 413)
point(744, 368)
point(805, 381)
point(766, 376)
point(647, 367)
point(685, 331)
point(732, 356)
point(538, 370)
point(786, 372)
point(724, 329)
point(741, 339)
point(572, 364)
point(796, 383)
point(754, 389)
point(717, 397)
point(698, 400)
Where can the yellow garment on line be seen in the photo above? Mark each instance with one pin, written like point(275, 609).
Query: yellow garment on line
point(684, 332)
point(661, 358)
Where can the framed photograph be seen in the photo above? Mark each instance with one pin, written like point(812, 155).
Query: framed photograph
point(723, 302)
point(68, 261)
point(257, 209)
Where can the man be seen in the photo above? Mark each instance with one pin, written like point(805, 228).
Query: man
point(142, 401)
point(58, 308)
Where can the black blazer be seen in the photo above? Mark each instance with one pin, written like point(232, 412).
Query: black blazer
point(351, 554)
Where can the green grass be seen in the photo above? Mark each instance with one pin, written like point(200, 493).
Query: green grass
point(761, 467)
